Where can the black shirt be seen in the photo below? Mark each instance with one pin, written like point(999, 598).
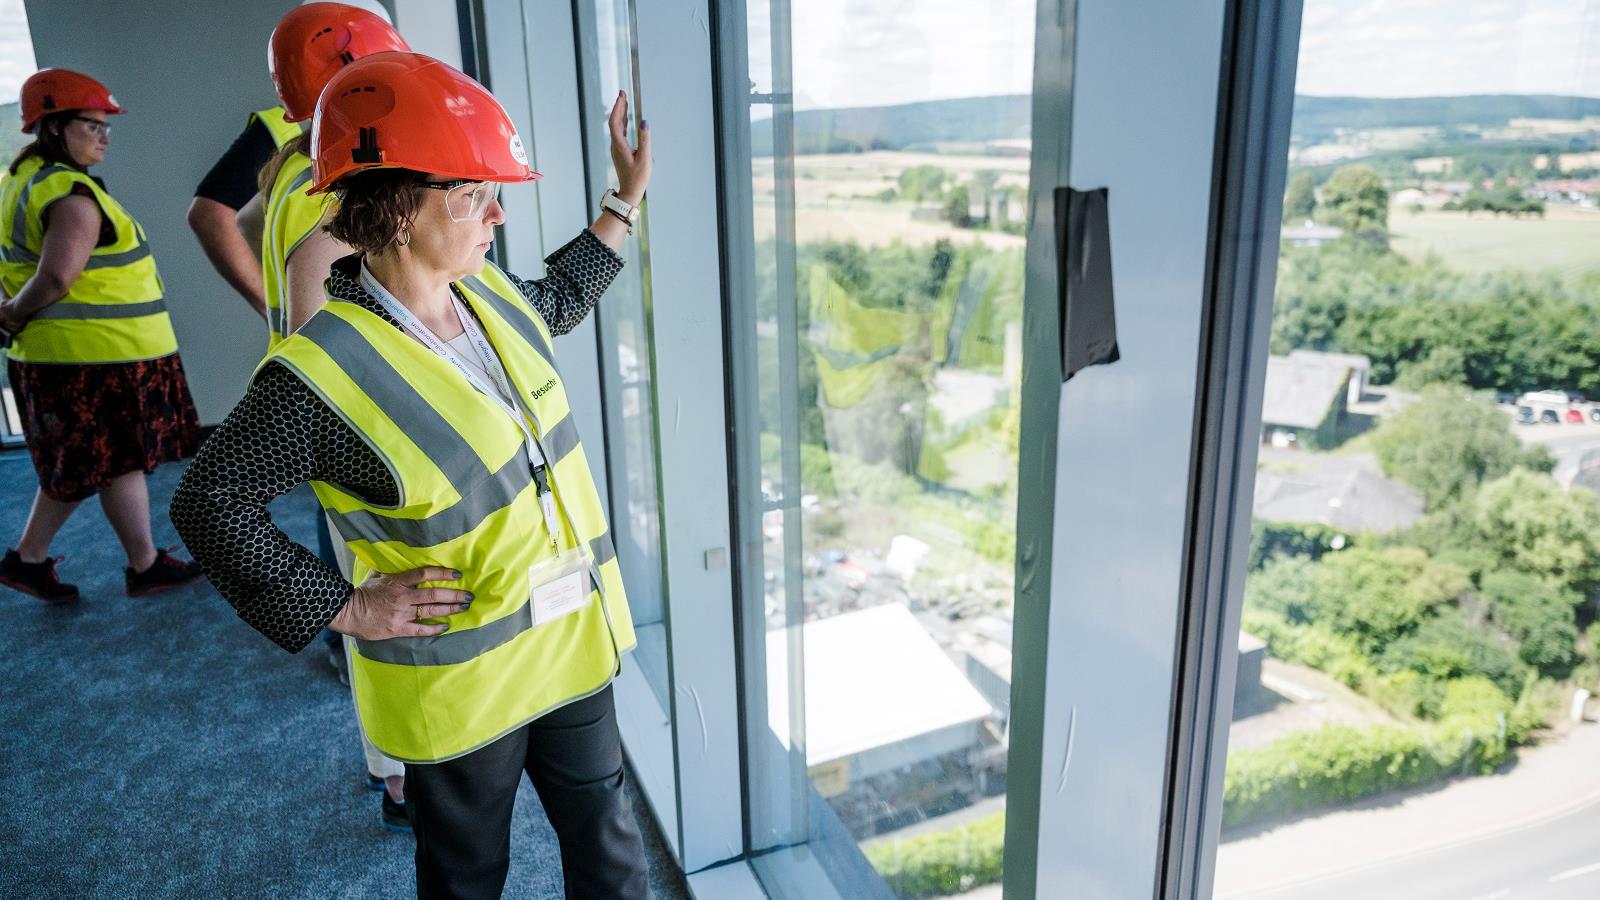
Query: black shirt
point(282, 434)
point(232, 181)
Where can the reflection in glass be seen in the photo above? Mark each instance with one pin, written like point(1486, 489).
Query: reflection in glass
point(626, 355)
point(876, 341)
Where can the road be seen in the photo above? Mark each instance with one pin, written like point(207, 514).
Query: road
point(1515, 831)
point(1557, 859)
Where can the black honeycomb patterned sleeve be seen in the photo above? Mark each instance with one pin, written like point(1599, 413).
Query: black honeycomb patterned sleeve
point(576, 274)
point(277, 438)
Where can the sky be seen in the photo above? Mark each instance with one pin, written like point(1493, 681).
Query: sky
point(16, 51)
point(883, 52)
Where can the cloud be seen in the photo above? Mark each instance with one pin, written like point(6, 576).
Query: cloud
point(878, 52)
point(1420, 48)
point(882, 52)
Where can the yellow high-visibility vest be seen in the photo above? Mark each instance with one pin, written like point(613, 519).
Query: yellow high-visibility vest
point(281, 129)
point(291, 217)
point(114, 311)
point(468, 502)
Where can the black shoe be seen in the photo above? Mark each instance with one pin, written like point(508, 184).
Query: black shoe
point(166, 573)
point(374, 783)
point(394, 816)
point(37, 579)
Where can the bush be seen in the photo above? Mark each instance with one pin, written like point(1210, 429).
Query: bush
point(1285, 587)
point(943, 862)
point(1378, 595)
point(1526, 522)
point(1276, 540)
point(1446, 646)
point(1539, 616)
point(1339, 763)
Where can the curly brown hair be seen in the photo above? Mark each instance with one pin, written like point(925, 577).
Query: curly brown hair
point(376, 207)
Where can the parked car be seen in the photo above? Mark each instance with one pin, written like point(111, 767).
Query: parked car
point(1594, 413)
point(1574, 397)
point(1575, 416)
point(1525, 415)
point(1505, 399)
point(1549, 417)
point(1546, 398)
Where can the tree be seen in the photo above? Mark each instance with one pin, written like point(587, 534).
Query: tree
point(1444, 364)
point(1300, 200)
point(1447, 443)
point(956, 205)
point(1446, 646)
point(1355, 199)
point(1539, 616)
point(1378, 595)
point(1527, 523)
point(922, 183)
point(1276, 540)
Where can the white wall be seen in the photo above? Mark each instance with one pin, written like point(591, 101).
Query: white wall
point(189, 73)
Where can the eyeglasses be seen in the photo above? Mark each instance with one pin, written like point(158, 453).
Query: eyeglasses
point(465, 200)
point(96, 127)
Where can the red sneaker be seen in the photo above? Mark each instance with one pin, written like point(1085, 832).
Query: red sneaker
point(36, 579)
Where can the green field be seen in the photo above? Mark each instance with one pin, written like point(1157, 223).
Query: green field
point(1566, 240)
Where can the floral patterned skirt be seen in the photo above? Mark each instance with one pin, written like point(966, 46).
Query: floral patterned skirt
point(88, 424)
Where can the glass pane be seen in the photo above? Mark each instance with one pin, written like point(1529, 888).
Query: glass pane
point(877, 244)
point(1419, 637)
point(626, 354)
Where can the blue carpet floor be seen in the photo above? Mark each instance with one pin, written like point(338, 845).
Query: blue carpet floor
point(160, 747)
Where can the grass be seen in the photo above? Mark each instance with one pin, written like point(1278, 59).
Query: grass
point(1565, 240)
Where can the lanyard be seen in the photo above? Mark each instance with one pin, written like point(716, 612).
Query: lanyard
point(499, 393)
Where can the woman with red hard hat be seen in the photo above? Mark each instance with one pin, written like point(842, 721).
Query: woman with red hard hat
point(309, 46)
point(92, 358)
point(285, 221)
point(426, 409)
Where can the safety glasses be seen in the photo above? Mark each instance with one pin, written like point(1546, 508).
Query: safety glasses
point(95, 126)
point(465, 200)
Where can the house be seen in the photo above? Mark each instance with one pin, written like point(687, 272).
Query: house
point(1308, 395)
point(1347, 492)
point(880, 696)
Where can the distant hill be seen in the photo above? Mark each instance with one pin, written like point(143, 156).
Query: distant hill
point(979, 119)
point(1316, 117)
point(907, 126)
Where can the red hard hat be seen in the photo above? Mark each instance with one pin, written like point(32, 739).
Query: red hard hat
point(313, 42)
point(53, 90)
point(409, 111)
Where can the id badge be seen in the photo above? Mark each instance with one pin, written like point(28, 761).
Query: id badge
point(559, 586)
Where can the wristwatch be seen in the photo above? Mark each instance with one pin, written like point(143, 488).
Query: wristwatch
point(622, 209)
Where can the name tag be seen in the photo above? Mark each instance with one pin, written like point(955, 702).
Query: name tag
point(559, 587)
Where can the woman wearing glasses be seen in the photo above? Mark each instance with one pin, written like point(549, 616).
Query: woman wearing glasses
point(423, 404)
point(93, 362)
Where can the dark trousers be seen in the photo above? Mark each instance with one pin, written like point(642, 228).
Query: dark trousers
point(461, 809)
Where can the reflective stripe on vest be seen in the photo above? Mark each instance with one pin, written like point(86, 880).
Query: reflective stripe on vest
point(467, 502)
point(282, 130)
point(291, 217)
point(114, 311)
